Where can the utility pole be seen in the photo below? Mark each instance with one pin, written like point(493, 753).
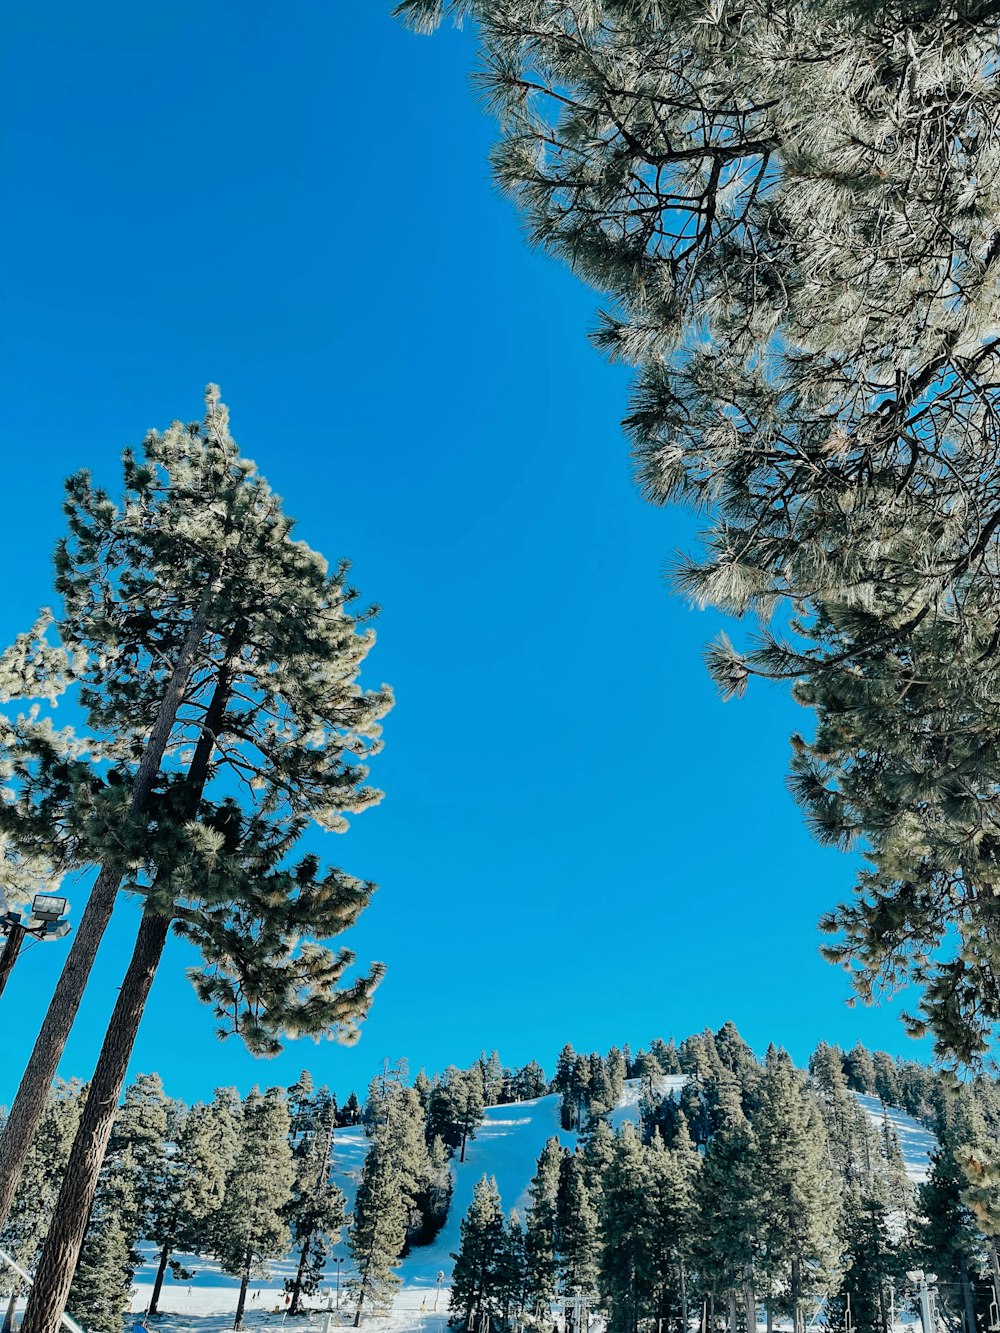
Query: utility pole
point(15, 938)
point(44, 923)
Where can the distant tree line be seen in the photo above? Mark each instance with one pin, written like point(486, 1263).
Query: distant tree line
point(739, 1184)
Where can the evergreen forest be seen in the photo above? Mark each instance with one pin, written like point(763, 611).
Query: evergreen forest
point(685, 1183)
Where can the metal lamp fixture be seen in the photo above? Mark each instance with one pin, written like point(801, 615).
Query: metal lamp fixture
point(48, 907)
point(46, 922)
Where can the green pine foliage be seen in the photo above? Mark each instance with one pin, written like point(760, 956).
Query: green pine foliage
point(315, 1211)
point(628, 1264)
point(251, 1225)
point(189, 1191)
point(378, 1231)
point(575, 1229)
point(36, 1196)
point(480, 1283)
point(815, 373)
point(727, 1205)
point(798, 1204)
point(540, 1235)
point(872, 1265)
point(455, 1108)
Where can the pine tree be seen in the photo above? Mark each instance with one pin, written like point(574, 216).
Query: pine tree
point(140, 1130)
point(598, 1148)
point(301, 1104)
point(615, 1065)
point(601, 1096)
point(407, 1148)
point(378, 1231)
point(888, 1085)
point(727, 1195)
point(179, 574)
point(860, 1069)
point(478, 1284)
point(455, 1108)
point(422, 1086)
point(540, 1237)
point(530, 1082)
point(351, 1113)
point(575, 1229)
point(491, 1073)
point(672, 1176)
point(251, 1227)
point(797, 1203)
point(628, 1260)
point(511, 1279)
point(192, 1183)
point(439, 1189)
point(816, 372)
point(564, 1083)
point(870, 1262)
point(315, 1211)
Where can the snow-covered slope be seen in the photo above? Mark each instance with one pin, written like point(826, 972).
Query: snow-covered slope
point(507, 1146)
point(916, 1142)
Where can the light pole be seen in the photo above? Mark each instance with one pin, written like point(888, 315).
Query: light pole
point(339, 1262)
point(924, 1282)
point(44, 923)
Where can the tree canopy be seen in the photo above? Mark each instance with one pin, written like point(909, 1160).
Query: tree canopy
point(791, 213)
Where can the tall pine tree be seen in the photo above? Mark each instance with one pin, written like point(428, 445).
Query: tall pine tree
point(192, 568)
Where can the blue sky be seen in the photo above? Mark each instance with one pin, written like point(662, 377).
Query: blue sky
point(579, 841)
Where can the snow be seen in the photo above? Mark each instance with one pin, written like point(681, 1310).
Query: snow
point(627, 1110)
point(917, 1142)
point(507, 1146)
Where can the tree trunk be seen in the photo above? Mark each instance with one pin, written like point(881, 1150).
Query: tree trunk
point(54, 1275)
point(154, 1300)
point(244, 1283)
point(796, 1295)
point(61, 1250)
point(732, 1313)
point(970, 1308)
point(293, 1307)
point(684, 1299)
point(29, 1104)
point(8, 1321)
point(15, 938)
point(750, 1302)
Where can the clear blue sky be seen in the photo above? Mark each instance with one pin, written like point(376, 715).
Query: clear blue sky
point(579, 842)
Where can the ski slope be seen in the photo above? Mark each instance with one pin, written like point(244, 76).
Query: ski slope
point(917, 1142)
point(507, 1146)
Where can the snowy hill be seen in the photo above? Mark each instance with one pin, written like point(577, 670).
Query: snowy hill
point(916, 1142)
point(506, 1146)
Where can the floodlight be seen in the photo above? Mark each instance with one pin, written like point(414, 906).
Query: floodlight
point(48, 907)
